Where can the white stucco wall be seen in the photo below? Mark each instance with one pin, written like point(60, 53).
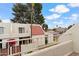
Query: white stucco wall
point(15, 30)
point(72, 34)
point(64, 48)
point(50, 38)
point(40, 39)
point(12, 30)
point(7, 30)
point(75, 38)
point(27, 48)
point(66, 36)
point(37, 41)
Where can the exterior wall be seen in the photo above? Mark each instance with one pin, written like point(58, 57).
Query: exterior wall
point(64, 48)
point(28, 48)
point(72, 34)
point(66, 36)
point(40, 39)
point(37, 41)
point(75, 38)
point(11, 30)
point(15, 31)
point(50, 38)
point(4, 43)
point(7, 30)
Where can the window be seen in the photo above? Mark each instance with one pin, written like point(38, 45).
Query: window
point(26, 41)
point(21, 30)
point(22, 42)
point(55, 39)
point(0, 43)
point(1, 30)
point(46, 40)
point(30, 41)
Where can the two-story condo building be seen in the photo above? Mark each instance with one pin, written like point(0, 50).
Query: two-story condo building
point(16, 37)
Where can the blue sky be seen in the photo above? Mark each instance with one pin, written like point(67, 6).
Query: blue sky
point(61, 14)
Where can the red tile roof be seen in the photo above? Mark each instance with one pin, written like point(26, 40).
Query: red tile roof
point(37, 30)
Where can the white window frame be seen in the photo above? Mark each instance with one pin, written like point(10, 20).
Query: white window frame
point(21, 30)
point(1, 30)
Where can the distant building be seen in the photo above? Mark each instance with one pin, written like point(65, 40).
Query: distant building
point(59, 29)
point(57, 32)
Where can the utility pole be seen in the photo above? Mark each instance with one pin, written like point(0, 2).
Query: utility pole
point(32, 14)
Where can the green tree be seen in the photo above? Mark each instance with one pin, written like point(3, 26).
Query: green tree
point(70, 26)
point(54, 29)
point(22, 13)
point(39, 19)
point(45, 27)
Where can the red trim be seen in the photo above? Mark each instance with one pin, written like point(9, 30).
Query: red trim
point(13, 42)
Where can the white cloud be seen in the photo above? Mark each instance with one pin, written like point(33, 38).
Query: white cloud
point(74, 17)
point(6, 21)
point(60, 9)
point(58, 23)
point(73, 4)
point(52, 10)
point(53, 16)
